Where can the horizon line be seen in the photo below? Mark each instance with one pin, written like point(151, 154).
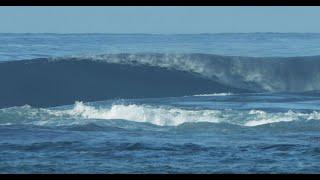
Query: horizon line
point(159, 33)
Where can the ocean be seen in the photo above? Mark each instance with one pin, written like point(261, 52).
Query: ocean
point(160, 103)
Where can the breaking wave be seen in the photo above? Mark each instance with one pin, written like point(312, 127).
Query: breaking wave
point(52, 82)
point(273, 74)
point(81, 113)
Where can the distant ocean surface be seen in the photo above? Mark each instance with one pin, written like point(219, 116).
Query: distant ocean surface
point(155, 103)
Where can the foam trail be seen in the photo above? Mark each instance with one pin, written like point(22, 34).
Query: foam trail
point(215, 94)
point(262, 117)
point(143, 113)
point(169, 116)
point(81, 113)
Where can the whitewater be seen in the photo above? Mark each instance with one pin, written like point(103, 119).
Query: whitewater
point(139, 103)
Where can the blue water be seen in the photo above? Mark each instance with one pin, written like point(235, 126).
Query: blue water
point(272, 131)
point(28, 46)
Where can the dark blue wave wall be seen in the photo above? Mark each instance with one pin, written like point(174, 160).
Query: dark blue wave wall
point(45, 83)
point(272, 74)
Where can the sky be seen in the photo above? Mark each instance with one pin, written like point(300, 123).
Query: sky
point(159, 20)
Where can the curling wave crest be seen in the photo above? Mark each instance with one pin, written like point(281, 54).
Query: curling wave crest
point(272, 74)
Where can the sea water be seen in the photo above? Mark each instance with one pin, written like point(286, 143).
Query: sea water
point(275, 129)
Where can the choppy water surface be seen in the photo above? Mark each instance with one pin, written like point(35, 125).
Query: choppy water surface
point(198, 134)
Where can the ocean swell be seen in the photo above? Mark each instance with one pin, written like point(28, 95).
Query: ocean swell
point(48, 82)
point(59, 81)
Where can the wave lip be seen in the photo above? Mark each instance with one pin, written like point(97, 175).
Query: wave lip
point(273, 74)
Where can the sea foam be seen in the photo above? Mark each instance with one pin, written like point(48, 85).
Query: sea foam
point(81, 113)
point(172, 116)
point(215, 94)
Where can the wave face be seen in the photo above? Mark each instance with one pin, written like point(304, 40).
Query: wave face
point(47, 82)
point(273, 74)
